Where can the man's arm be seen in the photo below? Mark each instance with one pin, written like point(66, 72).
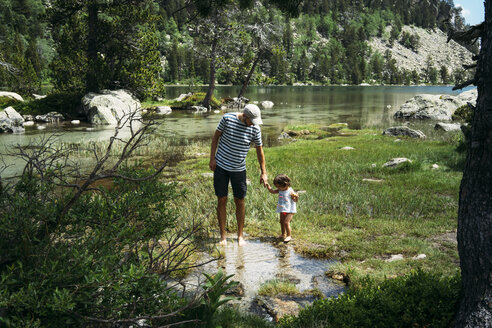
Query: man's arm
point(213, 149)
point(261, 161)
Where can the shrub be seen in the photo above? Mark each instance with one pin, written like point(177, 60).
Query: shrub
point(463, 113)
point(65, 103)
point(419, 299)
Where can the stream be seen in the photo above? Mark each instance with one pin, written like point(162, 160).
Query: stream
point(263, 260)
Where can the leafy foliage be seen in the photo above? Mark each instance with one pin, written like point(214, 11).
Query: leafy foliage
point(419, 299)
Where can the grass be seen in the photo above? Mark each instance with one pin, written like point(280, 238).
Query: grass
point(341, 216)
point(276, 286)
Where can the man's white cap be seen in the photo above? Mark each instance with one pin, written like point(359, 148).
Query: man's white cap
point(253, 113)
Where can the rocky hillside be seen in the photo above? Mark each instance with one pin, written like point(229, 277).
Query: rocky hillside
point(432, 44)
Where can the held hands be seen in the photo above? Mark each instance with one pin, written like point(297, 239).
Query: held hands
point(264, 180)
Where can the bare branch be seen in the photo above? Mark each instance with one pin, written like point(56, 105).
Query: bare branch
point(465, 84)
point(469, 66)
point(468, 36)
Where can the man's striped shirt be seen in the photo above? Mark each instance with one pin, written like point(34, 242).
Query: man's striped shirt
point(235, 142)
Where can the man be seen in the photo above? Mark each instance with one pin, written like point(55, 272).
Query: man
point(230, 145)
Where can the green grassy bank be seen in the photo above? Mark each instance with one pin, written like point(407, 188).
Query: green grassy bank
point(409, 210)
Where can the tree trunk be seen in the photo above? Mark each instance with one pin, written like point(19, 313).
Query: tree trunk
point(248, 77)
point(475, 204)
point(211, 83)
point(91, 77)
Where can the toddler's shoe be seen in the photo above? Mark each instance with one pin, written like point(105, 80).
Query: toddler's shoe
point(287, 239)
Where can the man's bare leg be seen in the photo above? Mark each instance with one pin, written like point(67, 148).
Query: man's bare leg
point(240, 214)
point(221, 216)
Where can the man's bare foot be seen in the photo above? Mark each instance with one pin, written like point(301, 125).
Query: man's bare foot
point(287, 239)
point(223, 242)
point(240, 241)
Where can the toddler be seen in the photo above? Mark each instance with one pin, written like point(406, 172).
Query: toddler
point(286, 205)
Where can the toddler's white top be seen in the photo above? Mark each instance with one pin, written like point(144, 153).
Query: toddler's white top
point(285, 202)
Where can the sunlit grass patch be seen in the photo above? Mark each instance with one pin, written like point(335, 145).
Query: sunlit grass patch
point(276, 287)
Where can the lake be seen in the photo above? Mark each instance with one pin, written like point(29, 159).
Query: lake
point(359, 106)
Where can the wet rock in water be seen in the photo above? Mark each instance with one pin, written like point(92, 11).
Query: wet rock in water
point(267, 104)
point(340, 276)
point(199, 109)
point(163, 110)
point(75, 122)
point(28, 123)
point(396, 161)
point(288, 278)
point(11, 121)
point(446, 127)
point(404, 131)
point(51, 117)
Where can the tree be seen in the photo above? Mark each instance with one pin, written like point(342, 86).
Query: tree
point(475, 202)
point(112, 34)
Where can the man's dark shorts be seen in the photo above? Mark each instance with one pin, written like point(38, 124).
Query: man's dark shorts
point(221, 182)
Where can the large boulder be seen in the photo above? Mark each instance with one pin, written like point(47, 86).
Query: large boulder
point(435, 107)
point(446, 127)
point(110, 106)
point(11, 121)
point(11, 95)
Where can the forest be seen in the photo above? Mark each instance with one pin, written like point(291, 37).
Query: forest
point(143, 45)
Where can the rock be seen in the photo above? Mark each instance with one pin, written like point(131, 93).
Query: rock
point(163, 110)
point(282, 305)
point(183, 96)
point(144, 111)
point(284, 135)
point(75, 122)
point(396, 161)
point(347, 148)
point(11, 121)
point(435, 166)
point(216, 111)
point(267, 104)
point(38, 96)
point(237, 291)
point(110, 106)
point(446, 127)
point(49, 118)
point(395, 257)
point(28, 123)
point(208, 175)
point(11, 95)
point(41, 127)
point(28, 117)
point(372, 180)
point(404, 131)
point(248, 182)
point(419, 257)
point(199, 109)
point(434, 107)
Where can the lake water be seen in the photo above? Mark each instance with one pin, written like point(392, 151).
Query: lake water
point(359, 106)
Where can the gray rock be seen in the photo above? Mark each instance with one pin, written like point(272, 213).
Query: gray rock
point(110, 106)
point(199, 109)
point(284, 135)
point(446, 127)
point(49, 118)
point(396, 161)
point(183, 96)
point(11, 121)
point(28, 117)
point(267, 104)
point(434, 107)
point(163, 110)
point(404, 131)
point(11, 95)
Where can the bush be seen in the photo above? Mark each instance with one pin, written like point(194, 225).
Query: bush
point(65, 103)
point(419, 299)
point(463, 113)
